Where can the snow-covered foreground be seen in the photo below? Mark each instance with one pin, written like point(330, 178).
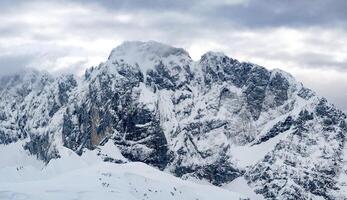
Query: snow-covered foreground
point(87, 177)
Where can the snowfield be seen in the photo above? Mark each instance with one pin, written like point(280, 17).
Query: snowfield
point(23, 177)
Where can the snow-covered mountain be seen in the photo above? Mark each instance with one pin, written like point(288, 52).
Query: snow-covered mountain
point(216, 120)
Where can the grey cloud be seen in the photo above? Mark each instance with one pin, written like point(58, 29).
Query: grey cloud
point(10, 64)
point(251, 13)
point(321, 60)
point(311, 60)
point(6, 5)
point(294, 13)
point(154, 5)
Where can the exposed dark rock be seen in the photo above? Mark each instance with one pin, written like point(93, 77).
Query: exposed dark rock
point(255, 90)
point(40, 146)
point(280, 127)
point(279, 85)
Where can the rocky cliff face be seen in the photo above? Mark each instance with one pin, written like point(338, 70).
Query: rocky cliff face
point(192, 119)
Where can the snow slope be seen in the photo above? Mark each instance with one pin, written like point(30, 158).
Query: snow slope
point(72, 177)
point(240, 186)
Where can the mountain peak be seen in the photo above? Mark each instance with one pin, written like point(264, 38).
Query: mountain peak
point(148, 54)
point(214, 54)
point(150, 47)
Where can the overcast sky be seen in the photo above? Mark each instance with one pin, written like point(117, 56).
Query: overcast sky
point(307, 38)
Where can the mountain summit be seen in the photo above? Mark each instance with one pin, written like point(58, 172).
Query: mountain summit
point(148, 54)
point(216, 120)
